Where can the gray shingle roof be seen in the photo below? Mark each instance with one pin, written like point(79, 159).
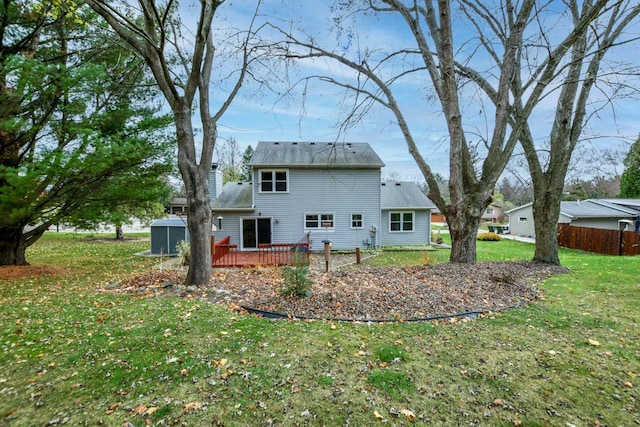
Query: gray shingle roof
point(234, 196)
point(315, 154)
point(403, 195)
point(595, 209)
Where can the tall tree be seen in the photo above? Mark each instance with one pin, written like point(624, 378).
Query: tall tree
point(630, 179)
point(144, 190)
point(228, 156)
point(56, 94)
point(437, 47)
point(567, 70)
point(184, 78)
point(247, 170)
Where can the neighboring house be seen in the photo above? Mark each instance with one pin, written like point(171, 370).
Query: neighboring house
point(492, 214)
point(178, 206)
point(608, 214)
point(327, 191)
point(437, 216)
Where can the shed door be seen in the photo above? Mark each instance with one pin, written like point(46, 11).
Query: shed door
point(255, 231)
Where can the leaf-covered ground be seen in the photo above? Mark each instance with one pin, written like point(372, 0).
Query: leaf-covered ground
point(364, 293)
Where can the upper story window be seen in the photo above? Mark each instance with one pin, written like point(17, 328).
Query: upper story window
point(522, 219)
point(401, 221)
point(274, 181)
point(489, 211)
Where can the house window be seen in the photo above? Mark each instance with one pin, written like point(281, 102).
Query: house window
point(522, 219)
point(318, 221)
point(274, 181)
point(401, 221)
point(356, 220)
point(489, 211)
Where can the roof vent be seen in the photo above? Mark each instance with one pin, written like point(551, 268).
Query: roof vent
point(295, 143)
point(398, 184)
point(383, 184)
point(312, 143)
point(240, 183)
point(276, 143)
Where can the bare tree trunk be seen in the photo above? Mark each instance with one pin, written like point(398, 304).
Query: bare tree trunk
point(198, 204)
point(463, 229)
point(12, 247)
point(546, 210)
point(119, 233)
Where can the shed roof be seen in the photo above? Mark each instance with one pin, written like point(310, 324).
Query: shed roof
point(315, 154)
point(234, 196)
point(595, 209)
point(171, 221)
point(633, 204)
point(403, 195)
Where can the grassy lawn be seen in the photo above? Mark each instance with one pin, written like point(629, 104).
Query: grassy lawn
point(74, 356)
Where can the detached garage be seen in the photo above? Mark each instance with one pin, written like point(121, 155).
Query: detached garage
point(166, 233)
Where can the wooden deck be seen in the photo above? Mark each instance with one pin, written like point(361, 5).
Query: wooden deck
point(228, 256)
point(239, 259)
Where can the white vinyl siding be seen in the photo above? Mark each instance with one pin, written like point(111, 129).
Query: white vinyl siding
point(421, 229)
point(339, 192)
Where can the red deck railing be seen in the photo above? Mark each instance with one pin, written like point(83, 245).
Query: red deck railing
point(283, 253)
point(224, 254)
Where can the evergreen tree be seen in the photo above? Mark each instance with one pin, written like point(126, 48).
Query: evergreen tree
point(75, 119)
point(630, 179)
point(246, 167)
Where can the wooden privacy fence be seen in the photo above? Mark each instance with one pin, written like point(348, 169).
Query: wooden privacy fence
point(608, 242)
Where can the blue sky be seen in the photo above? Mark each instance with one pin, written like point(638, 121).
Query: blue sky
point(257, 115)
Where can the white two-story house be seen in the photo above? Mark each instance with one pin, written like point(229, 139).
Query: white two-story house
point(328, 191)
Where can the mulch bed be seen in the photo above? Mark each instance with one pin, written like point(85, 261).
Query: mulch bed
point(24, 271)
point(364, 293)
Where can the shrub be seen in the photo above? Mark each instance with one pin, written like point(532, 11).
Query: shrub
point(435, 237)
point(489, 237)
point(184, 252)
point(296, 281)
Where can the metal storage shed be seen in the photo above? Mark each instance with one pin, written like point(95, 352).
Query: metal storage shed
point(166, 233)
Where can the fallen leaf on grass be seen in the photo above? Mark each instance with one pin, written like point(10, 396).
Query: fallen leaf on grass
point(192, 406)
point(628, 384)
point(112, 408)
point(377, 415)
point(140, 409)
point(594, 342)
point(409, 415)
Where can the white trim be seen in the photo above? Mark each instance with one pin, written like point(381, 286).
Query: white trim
point(242, 219)
point(319, 215)
point(413, 221)
point(351, 221)
point(273, 182)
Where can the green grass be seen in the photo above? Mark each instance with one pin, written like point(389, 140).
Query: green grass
point(73, 354)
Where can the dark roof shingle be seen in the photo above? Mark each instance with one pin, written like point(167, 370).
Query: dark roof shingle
point(315, 154)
